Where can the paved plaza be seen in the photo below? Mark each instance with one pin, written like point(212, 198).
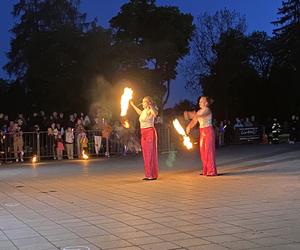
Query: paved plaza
point(104, 204)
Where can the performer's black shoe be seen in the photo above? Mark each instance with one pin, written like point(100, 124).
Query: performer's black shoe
point(149, 179)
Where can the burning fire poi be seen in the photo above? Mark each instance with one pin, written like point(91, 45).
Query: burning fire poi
point(125, 98)
point(126, 124)
point(186, 140)
point(84, 156)
point(34, 159)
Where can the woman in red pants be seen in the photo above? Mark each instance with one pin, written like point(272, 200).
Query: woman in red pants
point(206, 136)
point(148, 137)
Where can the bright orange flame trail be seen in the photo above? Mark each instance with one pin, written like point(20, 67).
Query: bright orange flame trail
point(84, 156)
point(126, 124)
point(186, 140)
point(125, 98)
point(34, 159)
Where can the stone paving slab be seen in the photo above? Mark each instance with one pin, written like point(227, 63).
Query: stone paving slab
point(103, 203)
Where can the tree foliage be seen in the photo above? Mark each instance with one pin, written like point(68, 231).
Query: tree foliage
point(286, 51)
point(58, 60)
point(37, 17)
point(261, 56)
point(247, 73)
point(209, 29)
point(287, 35)
point(58, 57)
point(152, 39)
point(55, 53)
point(232, 77)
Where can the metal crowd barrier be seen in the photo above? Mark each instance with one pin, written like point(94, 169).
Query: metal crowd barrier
point(163, 139)
point(41, 145)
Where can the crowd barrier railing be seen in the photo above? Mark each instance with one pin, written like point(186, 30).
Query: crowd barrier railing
point(42, 146)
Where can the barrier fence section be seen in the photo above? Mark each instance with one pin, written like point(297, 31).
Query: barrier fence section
point(43, 146)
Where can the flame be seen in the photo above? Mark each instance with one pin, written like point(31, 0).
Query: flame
point(34, 159)
point(178, 127)
point(186, 140)
point(126, 124)
point(84, 156)
point(126, 97)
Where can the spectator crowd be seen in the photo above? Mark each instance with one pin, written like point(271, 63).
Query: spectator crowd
point(228, 132)
point(63, 136)
point(68, 136)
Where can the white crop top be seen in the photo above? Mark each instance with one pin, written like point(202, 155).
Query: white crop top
point(146, 119)
point(204, 121)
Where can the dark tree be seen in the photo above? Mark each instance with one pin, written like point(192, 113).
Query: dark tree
point(285, 71)
point(232, 82)
point(38, 16)
point(151, 40)
point(287, 34)
point(185, 105)
point(261, 59)
point(3, 94)
point(260, 53)
point(55, 53)
point(209, 29)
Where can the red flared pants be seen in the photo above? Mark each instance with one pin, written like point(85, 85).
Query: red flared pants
point(149, 148)
point(207, 151)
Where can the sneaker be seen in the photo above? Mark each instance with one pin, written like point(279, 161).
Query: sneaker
point(22, 160)
point(17, 160)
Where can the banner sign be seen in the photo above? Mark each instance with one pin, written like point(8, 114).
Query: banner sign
point(248, 134)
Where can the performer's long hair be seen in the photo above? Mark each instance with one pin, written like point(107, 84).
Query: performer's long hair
point(150, 100)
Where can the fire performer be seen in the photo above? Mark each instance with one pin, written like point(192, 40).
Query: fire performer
point(148, 137)
point(206, 136)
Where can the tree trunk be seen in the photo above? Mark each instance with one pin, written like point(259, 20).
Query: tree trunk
point(167, 93)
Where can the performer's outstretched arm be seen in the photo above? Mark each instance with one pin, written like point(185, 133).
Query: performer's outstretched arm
point(135, 108)
point(188, 115)
point(191, 125)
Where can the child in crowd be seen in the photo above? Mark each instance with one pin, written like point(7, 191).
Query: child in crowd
point(69, 142)
point(18, 143)
point(83, 143)
point(59, 147)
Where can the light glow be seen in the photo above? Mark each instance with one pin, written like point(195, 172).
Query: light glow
point(186, 140)
point(125, 98)
point(126, 124)
point(34, 159)
point(84, 156)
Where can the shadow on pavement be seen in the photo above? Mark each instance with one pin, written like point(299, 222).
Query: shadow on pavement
point(245, 170)
point(258, 156)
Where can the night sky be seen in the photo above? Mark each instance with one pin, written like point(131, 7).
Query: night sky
point(258, 13)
